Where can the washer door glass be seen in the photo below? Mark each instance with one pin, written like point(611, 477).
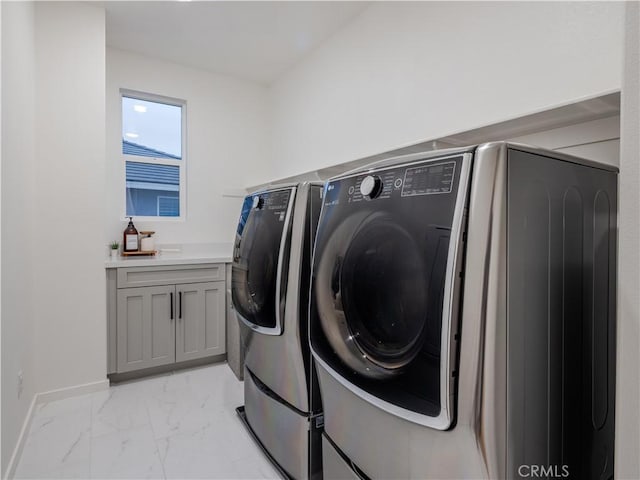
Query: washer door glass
point(384, 292)
point(254, 286)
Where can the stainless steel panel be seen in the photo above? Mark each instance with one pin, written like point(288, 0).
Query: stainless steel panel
point(384, 446)
point(281, 430)
point(281, 276)
point(561, 291)
point(234, 343)
point(334, 466)
point(164, 275)
point(482, 384)
point(371, 438)
point(278, 360)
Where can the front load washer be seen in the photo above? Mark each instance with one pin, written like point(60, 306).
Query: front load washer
point(270, 291)
point(462, 316)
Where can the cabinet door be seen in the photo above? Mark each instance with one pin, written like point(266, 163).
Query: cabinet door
point(146, 327)
point(200, 327)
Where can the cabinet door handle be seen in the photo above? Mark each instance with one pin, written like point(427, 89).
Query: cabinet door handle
point(180, 304)
point(171, 306)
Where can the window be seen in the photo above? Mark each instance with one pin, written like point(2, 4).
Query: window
point(154, 155)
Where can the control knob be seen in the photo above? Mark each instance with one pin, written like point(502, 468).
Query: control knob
point(371, 186)
point(258, 202)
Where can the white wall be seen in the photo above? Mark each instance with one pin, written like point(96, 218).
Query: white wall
point(70, 307)
point(227, 144)
point(69, 273)
point(406, 72)
point(18, 186)
point(628, 379)
point(53, 308)
point(53, 281)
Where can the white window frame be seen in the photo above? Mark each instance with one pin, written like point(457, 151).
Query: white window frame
point(182, 164)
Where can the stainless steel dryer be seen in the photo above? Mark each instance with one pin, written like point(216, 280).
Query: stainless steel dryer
point(270, 291)
point(462, 316)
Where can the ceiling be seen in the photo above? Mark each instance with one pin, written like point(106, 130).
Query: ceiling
point(253, 40)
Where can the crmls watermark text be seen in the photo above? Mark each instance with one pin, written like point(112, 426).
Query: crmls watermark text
point(543, 471)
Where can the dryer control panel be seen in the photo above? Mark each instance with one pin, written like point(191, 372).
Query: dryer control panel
point(277, 201)
point(427, 177)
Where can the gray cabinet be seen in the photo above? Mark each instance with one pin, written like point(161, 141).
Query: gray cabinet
point(158, 316)
point(145, 327)
point(200, 323)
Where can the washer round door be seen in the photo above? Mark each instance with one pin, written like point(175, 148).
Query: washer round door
point(378, 323)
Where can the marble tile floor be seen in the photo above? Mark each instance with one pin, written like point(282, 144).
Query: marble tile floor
point(176, 426)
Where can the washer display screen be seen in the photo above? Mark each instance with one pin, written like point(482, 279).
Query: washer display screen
point(429, 179)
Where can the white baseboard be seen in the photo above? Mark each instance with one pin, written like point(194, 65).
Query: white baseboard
point(46, 397)
point(17, 451)
point(61, 393)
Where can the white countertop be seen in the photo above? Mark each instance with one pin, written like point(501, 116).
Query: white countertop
point(187, 254)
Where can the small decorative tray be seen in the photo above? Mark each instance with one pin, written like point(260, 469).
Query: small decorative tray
point(139, 253)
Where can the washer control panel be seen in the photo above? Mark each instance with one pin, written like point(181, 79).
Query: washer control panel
point(429, 177)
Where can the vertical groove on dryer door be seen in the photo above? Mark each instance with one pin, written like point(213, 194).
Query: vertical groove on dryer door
point(600, 312)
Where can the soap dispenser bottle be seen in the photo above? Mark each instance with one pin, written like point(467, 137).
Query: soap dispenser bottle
point(130, 240)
